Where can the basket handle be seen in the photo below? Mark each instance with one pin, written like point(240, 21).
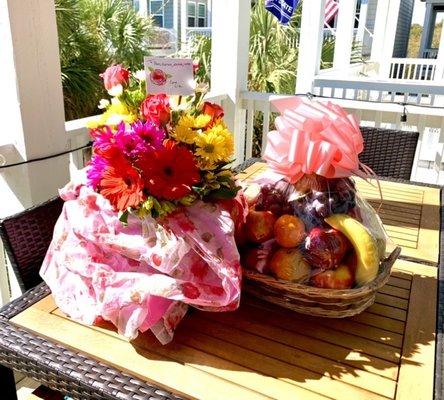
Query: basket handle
point(386, 267)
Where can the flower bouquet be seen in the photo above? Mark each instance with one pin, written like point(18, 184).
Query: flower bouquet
point(148, 228)
point(310, 242)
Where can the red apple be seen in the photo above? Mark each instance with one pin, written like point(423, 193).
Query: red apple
point(340, 278)
point(325, 248)
point(259, 226)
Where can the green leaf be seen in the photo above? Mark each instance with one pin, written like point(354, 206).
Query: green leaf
point(224, 193)
point(124, 218)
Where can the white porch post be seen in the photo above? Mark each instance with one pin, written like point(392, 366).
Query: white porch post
point(209, 12)
point(310, 44)
point(176, 22)
point(229, 64)
point(32, 104)
point(143, 8)
point(390, 36)
point(31, 82)
point(439, 73)
point(384, 34)
point(344, 33)
point(362, 21)
point(183, 22)
point(379, 30)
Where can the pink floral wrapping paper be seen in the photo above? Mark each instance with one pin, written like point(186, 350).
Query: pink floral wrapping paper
point(141, 276)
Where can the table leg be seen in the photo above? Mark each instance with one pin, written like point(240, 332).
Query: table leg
point(7, 384)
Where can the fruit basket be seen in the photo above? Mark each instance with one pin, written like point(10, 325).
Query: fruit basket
point(319, 302)
point(310, 243)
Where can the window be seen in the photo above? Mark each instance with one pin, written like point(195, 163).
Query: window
point(156, 12)
point(136, 5)
point(191, 13)
point(202, 15)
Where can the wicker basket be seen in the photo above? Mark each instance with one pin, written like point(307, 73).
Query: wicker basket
point(330, 303)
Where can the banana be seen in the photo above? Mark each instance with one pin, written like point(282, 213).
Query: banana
point(365, 246)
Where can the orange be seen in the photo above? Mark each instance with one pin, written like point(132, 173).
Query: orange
point(289, 231)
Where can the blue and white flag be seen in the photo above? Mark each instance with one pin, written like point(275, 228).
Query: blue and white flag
point(282, 9)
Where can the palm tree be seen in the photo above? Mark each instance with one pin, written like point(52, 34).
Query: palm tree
point(94, 34)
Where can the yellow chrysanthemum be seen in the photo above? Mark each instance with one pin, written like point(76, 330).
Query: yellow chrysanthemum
point(184, 134)
point(188, 127)
point(114, 115)
point(184, 131)
point(201, 121)
point(215, 145)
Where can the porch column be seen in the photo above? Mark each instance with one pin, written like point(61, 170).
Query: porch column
point(429, 23)
point(30, 79)
point(34, 123)
point(384, 35)
point(362, 21)
point(310, 44)
point(379, 30)
point(209, 12)
point(344, 33)
point(229, 63)
point(439, 73)
point(143, 8)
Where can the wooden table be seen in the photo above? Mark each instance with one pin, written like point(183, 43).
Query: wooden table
point(263, 351)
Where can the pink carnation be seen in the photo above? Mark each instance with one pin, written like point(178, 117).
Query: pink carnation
point(115, 75)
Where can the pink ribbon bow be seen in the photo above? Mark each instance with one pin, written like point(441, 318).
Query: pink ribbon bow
point(313, 138)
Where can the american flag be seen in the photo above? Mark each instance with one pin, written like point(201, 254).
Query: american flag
point(331, 8)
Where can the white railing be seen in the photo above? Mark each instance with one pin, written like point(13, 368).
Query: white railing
point(428, 121)
point(192, 32)
point(428, 93)
point(430, 53)
point(416, 69)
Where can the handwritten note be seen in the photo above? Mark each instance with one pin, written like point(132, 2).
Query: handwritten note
point(172, 76)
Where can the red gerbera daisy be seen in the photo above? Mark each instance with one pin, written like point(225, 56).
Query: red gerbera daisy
point(170, 172)
point(121, 184)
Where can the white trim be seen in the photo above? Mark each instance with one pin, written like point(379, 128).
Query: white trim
point(176, 18)
point(183, 22)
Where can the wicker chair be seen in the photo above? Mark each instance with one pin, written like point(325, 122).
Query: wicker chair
point(390, 153)
point(26, 237)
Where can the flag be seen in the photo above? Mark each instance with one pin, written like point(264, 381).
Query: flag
point(282, 9)
point(331, 9)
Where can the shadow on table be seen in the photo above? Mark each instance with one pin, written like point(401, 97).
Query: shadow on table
point(274, 342)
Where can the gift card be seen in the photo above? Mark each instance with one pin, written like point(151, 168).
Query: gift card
point(172, 76)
